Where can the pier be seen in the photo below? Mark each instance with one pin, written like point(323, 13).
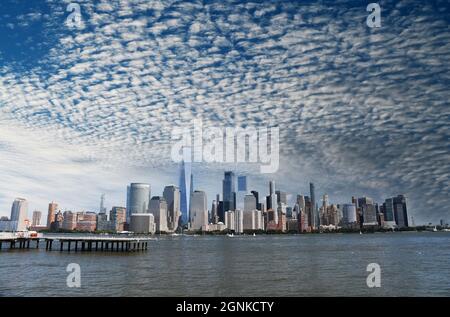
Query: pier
point(76, 243)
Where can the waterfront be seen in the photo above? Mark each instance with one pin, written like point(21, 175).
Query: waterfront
point(412, 264)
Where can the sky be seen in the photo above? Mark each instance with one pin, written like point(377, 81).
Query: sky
point(87, 109)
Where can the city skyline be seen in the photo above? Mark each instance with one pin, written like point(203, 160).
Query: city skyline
point(360, 110)
point(139, 198)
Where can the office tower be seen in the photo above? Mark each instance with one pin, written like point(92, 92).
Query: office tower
point(52, 208)
point(301, 201)
point(400, 211)
point(364, 201)
point(388, 206)
point(138, 199)
point(221, 211)
point(128, 219)
point(102, 204)
point(272, 201)
point(349, 215)
point(229, 193)
point(369, 215)
point(281, 197)
point(214, 212)
point(102, 222)
point(239, 221)
point(172, 196)
point(229, 220)
point(249, 202)
point(118, 218)
point(19, 213)
point(312, 193)
point(325, 201)
point(36, 221)
point(186, 185)
point(249, 220)
point(241, 192)
point(69, 221)
point(59, 219)
point(199, 211)
point(142, 223)
point(158, 207)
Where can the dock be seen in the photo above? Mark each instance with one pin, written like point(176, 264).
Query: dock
point(75, 243)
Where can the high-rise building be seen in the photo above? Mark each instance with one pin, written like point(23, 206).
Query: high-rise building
point(229, 220)
point(301, 201)
point(313, 216)
point(143, 223)
point(172, 196)
point(229, 192)
point(19, 213)
point(238, 221)
point(400, 211)
point(388, 207)
point(86, 221)
point(186, 185)
point(118, 218)
point(102, 222)
point(281, 197)
point(214, 212)
point(138, 198)
point(199, 211)
point(349, 215)
point(69, 221)
point(272, 201)
point(158, 207)
point(369, 215)
point(249, 202)
point(36, 220)
point(52, 208)
point(241, 192)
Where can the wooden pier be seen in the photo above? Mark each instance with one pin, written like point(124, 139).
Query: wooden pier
point(78, 243)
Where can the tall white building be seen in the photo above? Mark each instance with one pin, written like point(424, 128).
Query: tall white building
point(158, 207)
point(229, 220)
point(19, 213)
point(239, 221)
point(172, 196)
point(199, 211)
point(142, 223)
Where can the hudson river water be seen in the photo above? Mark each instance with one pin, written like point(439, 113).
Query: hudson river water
point(412, 264)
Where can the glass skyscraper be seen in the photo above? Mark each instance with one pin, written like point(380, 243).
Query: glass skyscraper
point(138, 199)
point(229, 191)
point(186, 185)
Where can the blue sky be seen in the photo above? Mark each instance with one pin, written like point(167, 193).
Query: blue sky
point(84, 111)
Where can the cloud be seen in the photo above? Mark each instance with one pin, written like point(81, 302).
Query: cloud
point(360, 111)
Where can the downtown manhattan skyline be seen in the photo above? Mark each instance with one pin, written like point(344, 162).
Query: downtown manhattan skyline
point(361, 111)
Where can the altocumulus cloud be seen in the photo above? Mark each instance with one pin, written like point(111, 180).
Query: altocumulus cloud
point(360, 110)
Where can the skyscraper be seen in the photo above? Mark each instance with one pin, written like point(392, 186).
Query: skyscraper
point(36, 221)
point(118, 218)
point(249, 203)
point(172, 196)
point(272, 201)
point(19, 212)
point(281, 197)
point(199, 211)
point(241, 192)
point(388, 208)
point(229, 192)
point(313, 216)
point(138, 198)
point(52, 207)
point(186, 186)
point(158, 207)
point(400, 211)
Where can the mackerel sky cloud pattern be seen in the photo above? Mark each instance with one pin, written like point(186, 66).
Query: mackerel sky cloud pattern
point(361, 111)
